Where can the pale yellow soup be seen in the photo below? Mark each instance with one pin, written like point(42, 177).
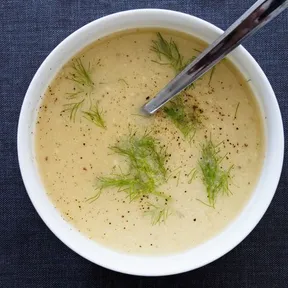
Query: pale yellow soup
point(72, 152)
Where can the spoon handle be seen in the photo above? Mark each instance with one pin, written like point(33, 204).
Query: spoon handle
point(252, 20)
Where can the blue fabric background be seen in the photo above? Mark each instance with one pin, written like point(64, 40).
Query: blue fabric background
point(30, 255)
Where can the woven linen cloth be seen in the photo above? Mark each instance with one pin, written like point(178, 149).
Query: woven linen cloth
point(30, 255)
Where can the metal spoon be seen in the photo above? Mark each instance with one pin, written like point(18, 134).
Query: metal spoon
point(251, 21)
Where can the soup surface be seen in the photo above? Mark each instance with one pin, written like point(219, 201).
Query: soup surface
point(158, 184)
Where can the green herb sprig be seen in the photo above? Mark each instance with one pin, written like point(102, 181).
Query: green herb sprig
point(145, 173)
point(74, 95)
point(169, 50)
point(237, 107)
point(81, 76)
point(95, 116)
point(158, 213)
point(185, 119)
point(73, 109)
point(215, 178)
point(192, 175)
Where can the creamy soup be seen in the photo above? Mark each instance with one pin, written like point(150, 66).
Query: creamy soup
point(158, 184)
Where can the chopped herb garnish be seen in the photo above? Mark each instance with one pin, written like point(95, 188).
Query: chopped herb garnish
point(75, 94)
point(84, 85)
point(145, 173)
point(95, 116)
point(235, 115)
point(192, 175)
point(169, 51)
point(124, 81)
point(178, 178)
point(197, 50)
point(185, 119)
point(73, 109)
point(80, 74)
point(215, 178)
point(158, 213)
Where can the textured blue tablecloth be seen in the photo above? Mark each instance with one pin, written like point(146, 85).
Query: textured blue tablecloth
point(30, 255)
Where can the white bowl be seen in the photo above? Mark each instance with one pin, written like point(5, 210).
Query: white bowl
point(151, 265)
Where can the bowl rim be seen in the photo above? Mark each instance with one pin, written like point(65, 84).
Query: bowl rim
point(149, 265)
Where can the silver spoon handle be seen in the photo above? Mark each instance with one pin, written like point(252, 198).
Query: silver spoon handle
point(253, 19)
